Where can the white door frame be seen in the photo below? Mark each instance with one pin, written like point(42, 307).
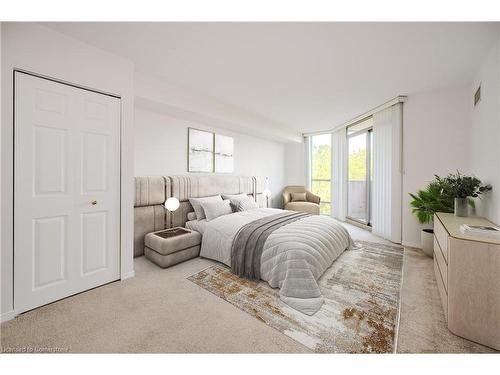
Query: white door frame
point(23, 71)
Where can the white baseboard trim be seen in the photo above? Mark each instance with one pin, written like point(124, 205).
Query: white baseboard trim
point(8, 315)
point(128, 275)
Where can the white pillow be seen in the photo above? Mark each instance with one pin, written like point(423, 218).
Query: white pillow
point(191, 216)
point(234, 196)
point(198, 209)
point(243, 204)
point(215, 209)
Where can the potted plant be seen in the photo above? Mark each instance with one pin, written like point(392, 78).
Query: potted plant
point(464, 189)
point(425, 203)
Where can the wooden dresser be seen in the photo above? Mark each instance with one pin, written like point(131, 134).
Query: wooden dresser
point(467, 270)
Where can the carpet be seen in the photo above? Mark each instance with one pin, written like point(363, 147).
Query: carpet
point(361, 292)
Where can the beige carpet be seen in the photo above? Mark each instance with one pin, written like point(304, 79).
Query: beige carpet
point(161, 311)
point(422, 327)
point(360, 309)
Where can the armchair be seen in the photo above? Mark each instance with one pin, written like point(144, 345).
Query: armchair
point(310, 205)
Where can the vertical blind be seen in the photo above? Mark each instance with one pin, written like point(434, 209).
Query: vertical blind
point(339, 174)
point(387, 173)
point(307, 160)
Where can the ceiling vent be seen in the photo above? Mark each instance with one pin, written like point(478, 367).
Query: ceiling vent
point(477, 95)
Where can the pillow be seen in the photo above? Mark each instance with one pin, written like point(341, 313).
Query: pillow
point(243, 204)
point(191, 216)
point(198, 209)
point(298, 197)
point(234, 196)
point(215, 209)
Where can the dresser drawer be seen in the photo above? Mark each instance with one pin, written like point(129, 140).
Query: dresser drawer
point(442, 291)
point(442, 265)
point(441, 235)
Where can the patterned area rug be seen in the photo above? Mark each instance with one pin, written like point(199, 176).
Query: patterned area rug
point(361, 291)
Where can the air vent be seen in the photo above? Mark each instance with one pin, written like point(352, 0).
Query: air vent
point(477, 95)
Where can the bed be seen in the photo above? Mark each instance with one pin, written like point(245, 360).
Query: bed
point(292, 257)
point(290, 251)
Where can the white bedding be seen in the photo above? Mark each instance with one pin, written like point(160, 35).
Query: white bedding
point(197, 225)
point(293, 258)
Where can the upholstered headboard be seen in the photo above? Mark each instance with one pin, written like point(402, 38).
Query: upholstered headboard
point(149, 212)
point(195, 186)
point(151, 192)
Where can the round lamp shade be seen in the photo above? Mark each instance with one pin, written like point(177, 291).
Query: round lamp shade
point(172, 204)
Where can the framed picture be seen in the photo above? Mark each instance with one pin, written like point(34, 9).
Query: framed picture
point(200, 151)
point(224, 154)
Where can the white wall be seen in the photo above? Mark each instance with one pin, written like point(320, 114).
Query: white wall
point(161, 149)
point(41, 50)
point(435, 130)
point(295, 164)
point(484, 134)
point(159, 94)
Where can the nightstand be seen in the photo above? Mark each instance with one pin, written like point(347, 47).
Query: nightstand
point(171, 246)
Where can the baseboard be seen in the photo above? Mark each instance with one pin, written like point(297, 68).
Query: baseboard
point(358, 224)
point(8, 315)
point(414, 245)
point(128, 275)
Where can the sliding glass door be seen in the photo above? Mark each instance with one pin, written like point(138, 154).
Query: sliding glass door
point(359, 139)
point(321, 169)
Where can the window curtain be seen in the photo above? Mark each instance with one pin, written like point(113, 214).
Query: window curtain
point(387, 173)
point(339, 174)
point(307, 160)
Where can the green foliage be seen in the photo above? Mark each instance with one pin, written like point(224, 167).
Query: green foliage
point(325, 208)
point(357, 165)
point(322, 188)
point(439, 195)
point(321, 162)
point(321, 170)
point(431, 200)
point(461, 186)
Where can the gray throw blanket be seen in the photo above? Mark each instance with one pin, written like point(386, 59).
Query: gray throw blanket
point(246, 251)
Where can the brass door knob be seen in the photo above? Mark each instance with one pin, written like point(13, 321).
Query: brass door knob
point(93, 203)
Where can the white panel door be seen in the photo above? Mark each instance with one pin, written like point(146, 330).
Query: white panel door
point(66, 190)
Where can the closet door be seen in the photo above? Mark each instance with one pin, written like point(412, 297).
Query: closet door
point(66, 190)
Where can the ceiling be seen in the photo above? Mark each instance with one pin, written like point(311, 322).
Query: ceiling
point(306, 76)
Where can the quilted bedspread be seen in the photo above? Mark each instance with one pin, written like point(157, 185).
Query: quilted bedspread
point(293, 258)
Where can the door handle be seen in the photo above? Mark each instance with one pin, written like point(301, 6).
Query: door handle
point(93, 202)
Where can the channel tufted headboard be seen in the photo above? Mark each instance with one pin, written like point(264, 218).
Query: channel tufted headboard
point(151, 192)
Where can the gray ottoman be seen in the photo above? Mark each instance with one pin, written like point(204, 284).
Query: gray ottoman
point(171, 246)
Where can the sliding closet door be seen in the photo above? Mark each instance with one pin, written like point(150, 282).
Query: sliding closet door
point(66, 190)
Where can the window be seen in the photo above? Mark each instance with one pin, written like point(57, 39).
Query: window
point(321, 169)
point(359, 140)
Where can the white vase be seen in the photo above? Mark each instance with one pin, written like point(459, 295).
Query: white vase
point(461, 207)
point(427, 241)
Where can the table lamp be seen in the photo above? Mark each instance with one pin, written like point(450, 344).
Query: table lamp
point(267, 193)
point(172, 204)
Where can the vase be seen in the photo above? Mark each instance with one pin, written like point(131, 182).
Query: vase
point(427, 241)
point(461, 207)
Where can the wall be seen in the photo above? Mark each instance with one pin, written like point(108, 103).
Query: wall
point(8, 306)
point(484, 134)
point(41, 50)
point(435, 131)
point(161, 149)
point(160, 95)
point(295, 164)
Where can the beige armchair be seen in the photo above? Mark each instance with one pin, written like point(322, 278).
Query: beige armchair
point(310, 205)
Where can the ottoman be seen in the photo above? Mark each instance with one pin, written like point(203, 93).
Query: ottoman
point(171, 246)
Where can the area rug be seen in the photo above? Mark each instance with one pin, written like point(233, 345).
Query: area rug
point(361, 292)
